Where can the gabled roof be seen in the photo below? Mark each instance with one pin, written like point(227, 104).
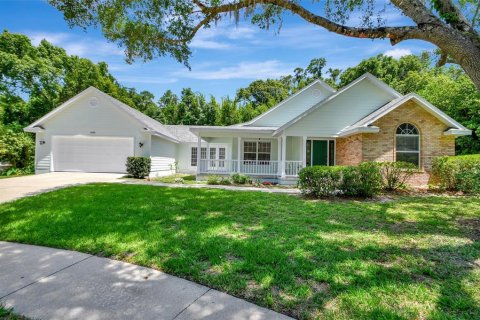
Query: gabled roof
point(367, 76)
point(151, 125)
point(361, 125)
point(318, 81)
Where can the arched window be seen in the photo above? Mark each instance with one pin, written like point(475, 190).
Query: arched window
point(408, 144)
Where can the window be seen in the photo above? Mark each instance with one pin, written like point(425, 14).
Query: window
point(408, 144)
point(194, 155)
point(257, 151)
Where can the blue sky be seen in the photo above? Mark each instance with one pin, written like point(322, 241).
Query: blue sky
point(224, 58)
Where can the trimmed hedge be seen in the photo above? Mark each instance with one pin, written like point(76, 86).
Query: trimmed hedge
point(364, 180)
point(461, 173)
point(320, 181)
point(138, 167)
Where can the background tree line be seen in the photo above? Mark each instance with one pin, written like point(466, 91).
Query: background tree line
point(36, 79)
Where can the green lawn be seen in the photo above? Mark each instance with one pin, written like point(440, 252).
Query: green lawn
point(404, 259)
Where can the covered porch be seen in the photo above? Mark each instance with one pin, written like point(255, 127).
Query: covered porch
point(255, 152)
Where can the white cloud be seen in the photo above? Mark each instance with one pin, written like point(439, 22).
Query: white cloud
point(243, 70)
point(397, 53)
point(76, 45)
point(221, 37)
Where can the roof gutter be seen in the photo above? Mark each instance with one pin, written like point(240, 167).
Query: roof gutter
point(457, 132)
point(199, 129)
point(158, 134)
point(36, 129)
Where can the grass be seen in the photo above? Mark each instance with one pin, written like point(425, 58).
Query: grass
point(410, 258)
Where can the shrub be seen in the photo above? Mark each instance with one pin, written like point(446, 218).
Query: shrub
point(319, 181)
point(396, 174)
point(458, 172)
point(16, 148)
point(225, 181)
point(239, 178)
point(364, 180)
point(138, 167)
point(213, 179)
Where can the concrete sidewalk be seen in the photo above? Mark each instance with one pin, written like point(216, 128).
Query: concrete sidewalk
point(46, 283)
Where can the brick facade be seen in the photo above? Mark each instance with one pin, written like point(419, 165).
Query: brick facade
point(380, 146)
point(349, 150)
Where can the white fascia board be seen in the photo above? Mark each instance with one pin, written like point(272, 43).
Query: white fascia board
point(33, 129)
point(458, 132)
point(158, 134)
point(200, 129)
point(356, 130)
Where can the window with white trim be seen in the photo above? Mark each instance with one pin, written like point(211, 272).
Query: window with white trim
point(407, 143)
point(194, 155)
point(259, 151)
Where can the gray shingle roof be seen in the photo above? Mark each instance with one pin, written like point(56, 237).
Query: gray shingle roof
point(182, 133)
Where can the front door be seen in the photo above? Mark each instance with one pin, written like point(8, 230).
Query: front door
point(320, 152)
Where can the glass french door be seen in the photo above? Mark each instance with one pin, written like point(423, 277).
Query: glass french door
point(216, 155)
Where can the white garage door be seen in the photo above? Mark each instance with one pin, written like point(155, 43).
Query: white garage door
point(91, 154)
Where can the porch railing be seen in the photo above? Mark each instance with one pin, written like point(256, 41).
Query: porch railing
point(252, 167)
point(293, 167)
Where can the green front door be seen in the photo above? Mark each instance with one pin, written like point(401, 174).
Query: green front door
point(320, 153)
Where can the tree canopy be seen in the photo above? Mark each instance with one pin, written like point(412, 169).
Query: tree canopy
point(36, 79)
point(151, 28)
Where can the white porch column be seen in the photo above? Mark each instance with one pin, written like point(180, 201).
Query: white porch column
point(239, 153)
point(199, 150)
point(279, 156)
point(284, 153)
point(304, 151)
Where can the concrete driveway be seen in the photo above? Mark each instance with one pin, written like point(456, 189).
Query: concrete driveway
point(18, 187)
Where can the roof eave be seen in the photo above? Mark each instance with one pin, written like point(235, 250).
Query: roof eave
point(35, 129)
point(457, 132)
point(352, 131)
point(158, 134)
point(200, 129)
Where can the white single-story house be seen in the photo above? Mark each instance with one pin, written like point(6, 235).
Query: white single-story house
point(318, 125)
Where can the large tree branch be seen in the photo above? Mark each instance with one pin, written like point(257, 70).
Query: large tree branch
point(395, 34)
point(452, 15)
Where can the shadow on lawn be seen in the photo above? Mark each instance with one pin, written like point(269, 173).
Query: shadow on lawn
point(345, 259)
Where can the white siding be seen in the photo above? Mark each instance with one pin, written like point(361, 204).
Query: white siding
point(80, 119)
point(344, 110)
point(293, 107)
point(294, 149)
point(163, 156)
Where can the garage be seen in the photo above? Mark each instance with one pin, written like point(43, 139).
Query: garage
point(91, 154)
